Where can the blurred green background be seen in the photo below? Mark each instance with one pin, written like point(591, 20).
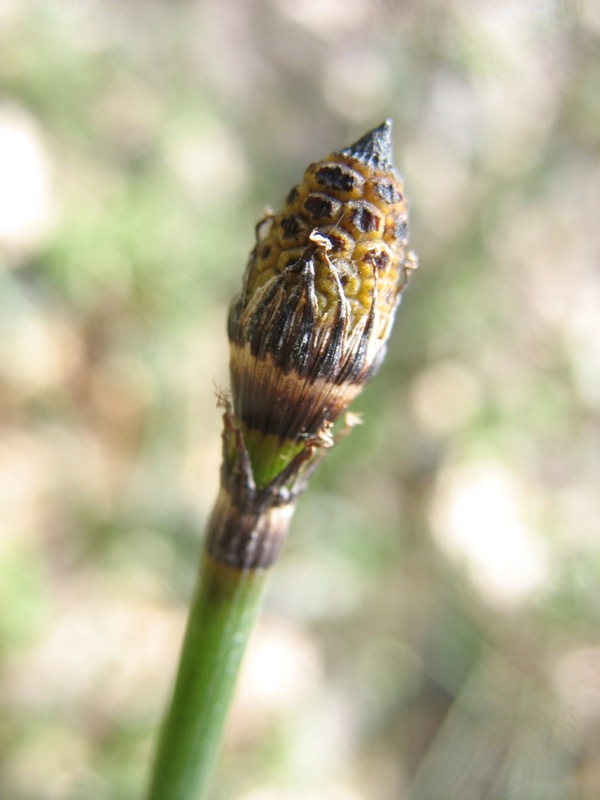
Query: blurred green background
point(432, 629)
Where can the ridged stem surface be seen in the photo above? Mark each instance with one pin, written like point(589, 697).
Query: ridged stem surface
point(222, 615)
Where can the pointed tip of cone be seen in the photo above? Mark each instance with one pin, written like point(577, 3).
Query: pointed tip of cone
point(374, 148)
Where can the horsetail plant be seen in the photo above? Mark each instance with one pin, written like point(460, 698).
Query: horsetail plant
point(308, 329)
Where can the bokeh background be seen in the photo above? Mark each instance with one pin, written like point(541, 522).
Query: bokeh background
point(432, 629)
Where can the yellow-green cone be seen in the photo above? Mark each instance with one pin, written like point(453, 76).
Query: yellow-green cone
point(309, 329)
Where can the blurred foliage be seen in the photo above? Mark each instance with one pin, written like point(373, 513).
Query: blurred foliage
point(432, 628)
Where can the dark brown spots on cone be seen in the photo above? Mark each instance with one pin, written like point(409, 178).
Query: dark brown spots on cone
point(388, 192)
point(292, 226)
point(320, 207)
point(337, 244)
point(365, 220)
point(380, 260)
point(265, 251)
point(292, 196)
point(340, 243)
point(337, 177)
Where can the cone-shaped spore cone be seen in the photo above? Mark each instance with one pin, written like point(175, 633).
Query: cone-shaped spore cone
point(310, 325)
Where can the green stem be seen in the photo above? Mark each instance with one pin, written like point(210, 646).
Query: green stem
point(245, 534)
point(221, 618)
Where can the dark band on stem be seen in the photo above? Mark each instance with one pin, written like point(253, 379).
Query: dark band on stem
point(245, 534)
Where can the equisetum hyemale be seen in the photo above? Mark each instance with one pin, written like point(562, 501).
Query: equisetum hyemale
point(307, 331)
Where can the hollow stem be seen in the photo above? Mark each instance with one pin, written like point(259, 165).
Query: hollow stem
point(221, 618)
